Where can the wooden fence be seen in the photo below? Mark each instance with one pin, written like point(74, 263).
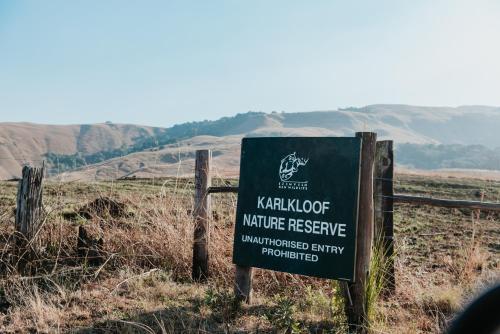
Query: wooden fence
point(376, 218)
point(28, 214)
point(376, 208)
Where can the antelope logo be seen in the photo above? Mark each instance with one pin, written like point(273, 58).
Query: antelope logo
point(288, 167)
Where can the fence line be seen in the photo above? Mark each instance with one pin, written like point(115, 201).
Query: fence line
point(401, 198)
point(447, 203)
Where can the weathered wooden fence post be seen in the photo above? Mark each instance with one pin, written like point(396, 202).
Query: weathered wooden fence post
point(29, 210)
point(355, 292)
point(384, 207)
point(202, 212)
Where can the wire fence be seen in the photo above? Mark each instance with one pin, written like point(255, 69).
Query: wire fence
point(184, 168)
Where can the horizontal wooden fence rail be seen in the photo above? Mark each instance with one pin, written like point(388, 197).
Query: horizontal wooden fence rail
point(447, 203)
point(226, 189)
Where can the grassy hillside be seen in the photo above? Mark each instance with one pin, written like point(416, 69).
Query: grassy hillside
point(66, 148)
point(178, 159)
point(143, 284)
point(169, 160)
point(448, 156)
point(26, 143)
point(466, 125)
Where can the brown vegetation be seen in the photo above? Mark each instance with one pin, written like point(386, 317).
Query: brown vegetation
point(143, 285)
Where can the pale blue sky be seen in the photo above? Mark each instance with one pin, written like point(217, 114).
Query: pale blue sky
point(165, 62)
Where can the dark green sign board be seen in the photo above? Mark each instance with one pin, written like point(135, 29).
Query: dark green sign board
point(297, 205)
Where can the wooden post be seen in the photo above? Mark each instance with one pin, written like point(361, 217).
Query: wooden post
point(355, 292)
point(28, 211)
point(202, 210)
point(243, 283)
point(384, 207)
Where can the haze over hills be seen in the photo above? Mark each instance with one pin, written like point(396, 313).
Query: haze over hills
point(437, 137)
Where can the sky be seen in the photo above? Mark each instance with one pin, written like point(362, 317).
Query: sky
point(166, 62)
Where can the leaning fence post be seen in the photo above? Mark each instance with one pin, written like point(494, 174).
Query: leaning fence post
point(384, 208)
point(355, 292)
point(203, 180)
point(29, 209)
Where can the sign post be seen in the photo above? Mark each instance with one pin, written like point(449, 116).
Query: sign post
point(355, 291)
point(305, 206)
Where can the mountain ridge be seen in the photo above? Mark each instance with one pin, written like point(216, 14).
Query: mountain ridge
point(65, 147)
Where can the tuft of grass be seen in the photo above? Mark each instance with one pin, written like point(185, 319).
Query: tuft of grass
point(440, 303)
point(337, 307)
point(442, 300)
point(317, 302)
point(377, 280)
point(223, 304)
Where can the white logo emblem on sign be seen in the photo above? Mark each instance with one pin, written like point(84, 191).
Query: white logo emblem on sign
point(288, 167)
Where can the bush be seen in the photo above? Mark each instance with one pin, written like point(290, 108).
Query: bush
point(282, 316)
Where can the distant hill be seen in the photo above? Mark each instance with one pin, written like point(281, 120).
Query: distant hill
point(466, 125)
point(429, 156)
point(111, 151)
point(27, 143)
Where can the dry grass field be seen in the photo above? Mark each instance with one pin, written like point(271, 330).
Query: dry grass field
point(141, 281)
